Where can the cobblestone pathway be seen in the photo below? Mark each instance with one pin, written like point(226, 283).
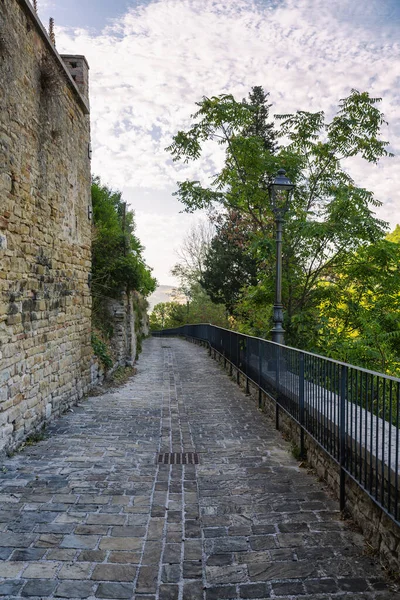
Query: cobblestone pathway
point(88, 513)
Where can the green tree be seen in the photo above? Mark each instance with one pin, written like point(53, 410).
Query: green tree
point(394, 236)
point(260, 126)
point(360, 309)
point(330, 218)
point(117, 255)
point(167, 314)
point(229, 265)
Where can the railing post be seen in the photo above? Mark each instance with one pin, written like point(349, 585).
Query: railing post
point(247, 366)
point(237, 359)
point(277, 368)
point(301, 403)
point(230, 354)
point(342, 433)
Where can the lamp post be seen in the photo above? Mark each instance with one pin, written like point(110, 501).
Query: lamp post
point(279, 192)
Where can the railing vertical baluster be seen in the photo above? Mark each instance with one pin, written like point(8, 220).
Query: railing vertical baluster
point(230, 354)
point(383, 443)
point(238, 358)
point(277, 371)
point(362, 404)
point(301, 402)
point(355, 402)
point(342, 430)
point(377, 440)
point(247, 365)
point(371, 437)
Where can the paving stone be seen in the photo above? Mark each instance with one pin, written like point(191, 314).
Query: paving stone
point(39, 587)
point(168, 592)
point(125, 557)
point(91, 556)
point(91, 530)
point(231, 574)
point(10, 587)
point(16, 540)
point(106, 519)
point(320, 585)
point(171, 573)
point(262, 542)
point(152, 553)
point(193, 590)
point(266, 571)
point(156, 529)
point(219, 592)
point(5, 553)
point(147, 580)
point(290, 588)
point(114, 590)
point(192, 570)
point(80, 541)
point(172, 553)
point(74, 589)
point(10, 569)
point(49, 540)
point(254, 590)
point(222, 559)
point(121, 543)
point(41, 570)
point(352, 585)
point(192, 549)
point(62, 554)
point(28, 554)
point(79, 570)
point(106, 572)
point(129, 531)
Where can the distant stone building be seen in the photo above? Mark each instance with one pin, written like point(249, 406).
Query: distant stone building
point(45, 226)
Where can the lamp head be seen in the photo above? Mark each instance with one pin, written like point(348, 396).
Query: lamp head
point(279, 193)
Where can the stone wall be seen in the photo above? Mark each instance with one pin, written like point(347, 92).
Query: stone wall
point(129, 321)
point(381, 532)
point(45, 229)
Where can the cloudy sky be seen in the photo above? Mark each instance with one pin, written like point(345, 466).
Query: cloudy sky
point(151, 60)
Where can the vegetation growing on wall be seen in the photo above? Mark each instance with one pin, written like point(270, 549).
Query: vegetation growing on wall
point(118, 265)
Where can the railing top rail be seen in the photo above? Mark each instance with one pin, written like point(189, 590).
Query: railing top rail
point(332, 360)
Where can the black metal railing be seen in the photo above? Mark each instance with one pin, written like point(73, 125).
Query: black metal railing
point(352, 413)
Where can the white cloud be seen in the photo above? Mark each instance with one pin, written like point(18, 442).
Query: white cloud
point(151, 66)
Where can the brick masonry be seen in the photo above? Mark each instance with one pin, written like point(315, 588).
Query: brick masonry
point(88, 512)
point(45, 232)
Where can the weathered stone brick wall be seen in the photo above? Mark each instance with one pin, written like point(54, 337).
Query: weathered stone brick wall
point(45, 303)
point(129, 321)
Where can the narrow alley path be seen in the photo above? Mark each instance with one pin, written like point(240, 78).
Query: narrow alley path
point(89, 513)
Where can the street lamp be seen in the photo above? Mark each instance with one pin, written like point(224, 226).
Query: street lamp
point(279, 192)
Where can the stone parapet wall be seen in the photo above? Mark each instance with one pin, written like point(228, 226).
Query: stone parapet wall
point(45, 232)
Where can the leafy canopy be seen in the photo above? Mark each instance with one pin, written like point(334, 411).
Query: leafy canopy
point(117, 255)
point(331, 229)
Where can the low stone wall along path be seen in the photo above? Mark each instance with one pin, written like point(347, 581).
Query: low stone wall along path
point(90, 512)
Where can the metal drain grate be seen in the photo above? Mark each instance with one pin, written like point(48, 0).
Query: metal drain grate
point(178, 458)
